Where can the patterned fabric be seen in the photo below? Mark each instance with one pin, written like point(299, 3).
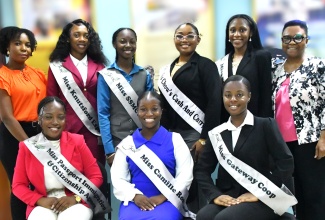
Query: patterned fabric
point(306, 94)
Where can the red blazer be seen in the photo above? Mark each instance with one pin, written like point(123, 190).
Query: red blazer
point(90, 91)
point(29, 170)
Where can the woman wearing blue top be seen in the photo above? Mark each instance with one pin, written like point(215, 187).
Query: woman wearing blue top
point(114, 121)
point(141, 198)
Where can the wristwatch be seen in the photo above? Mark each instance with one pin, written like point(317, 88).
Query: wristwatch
point(202, 141)
point(78, 198)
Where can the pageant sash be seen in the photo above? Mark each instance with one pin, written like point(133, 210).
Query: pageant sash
point(75, 97)
point(123, 91)
point(185, 108)
point(277, 199)
point(222, 65)
point(157, 172)
point(68, 175)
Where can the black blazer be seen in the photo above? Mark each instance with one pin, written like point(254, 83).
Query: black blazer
point(260, 146)
point(256, 67)
point(199, 80)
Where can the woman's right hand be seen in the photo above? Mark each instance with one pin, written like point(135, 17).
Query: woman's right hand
point(225, 200)
point(143, 202)
point(46, 202)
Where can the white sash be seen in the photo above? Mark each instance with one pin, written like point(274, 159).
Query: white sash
point(157, 173)
point(123, 91)
point(179, 101)
point(266, 191)
point(69, 176)
point(222, 65)
point(75, 97)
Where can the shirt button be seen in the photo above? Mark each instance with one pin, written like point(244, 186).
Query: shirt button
point(130, 120)
point(85, 89)
point(131, 131)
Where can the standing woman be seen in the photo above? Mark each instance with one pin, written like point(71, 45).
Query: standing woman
point(118, 89)
point(299, 104)
point(191, 88)
point(21, 88)
point(72, 77)
point(245, 56)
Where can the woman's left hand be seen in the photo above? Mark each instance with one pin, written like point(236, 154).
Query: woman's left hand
point(63, 203)
point(320, 147)
point(198, 148)
point(157, 200)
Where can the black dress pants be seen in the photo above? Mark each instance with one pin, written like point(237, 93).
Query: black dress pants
point(309, 179)
point(8, 154)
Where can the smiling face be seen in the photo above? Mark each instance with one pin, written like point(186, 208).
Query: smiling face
point(186, 46)
point(294, 50)
point(239, 33)
point(52, 120)
point(79, 41)
point(20, 49)
point(235, 98)
point(125, 44)
point(149, 112)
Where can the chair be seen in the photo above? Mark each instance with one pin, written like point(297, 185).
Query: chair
point(105, 189)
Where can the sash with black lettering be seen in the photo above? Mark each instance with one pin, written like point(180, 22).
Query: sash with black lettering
point(68, 175)
point(123, 91)
point(278, 199)
point(223, 67)
point(75, 97)
point(184, 107)
point(176, 196)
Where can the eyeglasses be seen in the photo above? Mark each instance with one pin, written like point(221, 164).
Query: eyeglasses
point(188, 37)
point(298, 38)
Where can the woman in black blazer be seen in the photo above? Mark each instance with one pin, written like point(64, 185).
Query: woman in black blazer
point(245, 56)
point(253, 140)
point(198, 79)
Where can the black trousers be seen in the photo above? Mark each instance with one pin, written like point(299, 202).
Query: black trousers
point(242, 211)
point(8, 154)
point(309, 179)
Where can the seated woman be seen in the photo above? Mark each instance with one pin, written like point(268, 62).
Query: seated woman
point(249, 185)
point(152, 169)
point(59, 166)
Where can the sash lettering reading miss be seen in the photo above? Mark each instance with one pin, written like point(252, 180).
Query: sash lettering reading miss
point(278, 199)
point(186, 109)
point(157, 172)
point(68, 175)
point(123, 91)
point(75, 97)
point(223, 67)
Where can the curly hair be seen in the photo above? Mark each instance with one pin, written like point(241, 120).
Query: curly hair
point(114, 37)
point(10, 33)
point(256, 41)
point(94, 51)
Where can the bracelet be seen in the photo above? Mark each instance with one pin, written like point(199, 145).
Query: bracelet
point(109, 156)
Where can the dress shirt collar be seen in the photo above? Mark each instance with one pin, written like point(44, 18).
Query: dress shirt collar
point(249, 120)
point(77, 62)
point(158, 137)
point(134, 70)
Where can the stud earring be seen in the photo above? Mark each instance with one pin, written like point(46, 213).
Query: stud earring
point(8, 52)
point(229, 40)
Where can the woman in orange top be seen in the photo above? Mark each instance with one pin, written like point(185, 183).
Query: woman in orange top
point(21, 89)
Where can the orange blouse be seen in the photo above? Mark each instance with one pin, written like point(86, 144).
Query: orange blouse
point(26, 89)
